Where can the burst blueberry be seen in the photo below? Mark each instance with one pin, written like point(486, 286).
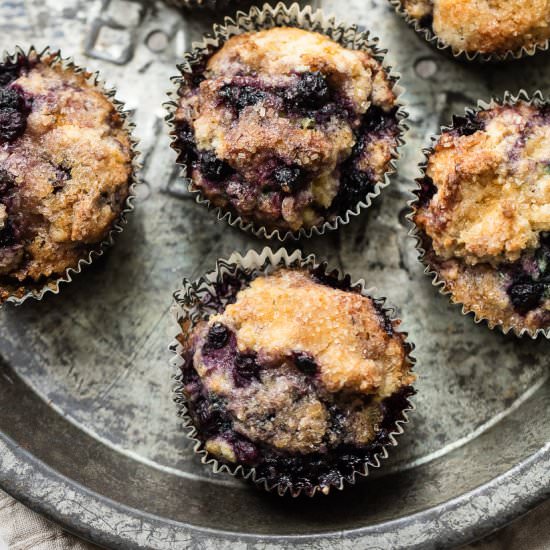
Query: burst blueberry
point(214, 168)
point(7, 181)
point(311, 91)
point(305, 363)
point(240, 97)
point(526, 296)
point(13, 115)
point(217, 336)
point(8, 73)
point(246, 370)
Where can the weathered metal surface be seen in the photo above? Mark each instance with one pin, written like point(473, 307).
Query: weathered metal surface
point(88, 431)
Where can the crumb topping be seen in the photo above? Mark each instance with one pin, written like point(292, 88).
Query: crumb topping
point(484, 214)
point(295, 366)
point(268, 127)
point(289, 312)
point(64, 174)
point(493, 188)
point(486, 26)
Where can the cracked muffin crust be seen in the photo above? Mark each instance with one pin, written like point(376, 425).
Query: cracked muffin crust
point(485, 26)
point(299, 377)
point(483, 214)
point(286, 128)
point(65, 170)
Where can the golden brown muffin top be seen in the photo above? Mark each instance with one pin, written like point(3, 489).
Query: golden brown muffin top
point(492, 197)
point(280, 102)
point(67, 175)
point(288, 312)
point(486, 26)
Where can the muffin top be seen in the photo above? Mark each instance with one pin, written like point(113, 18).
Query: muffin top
point(65, 165)
point(484, 210)
point(492, 186)
point(286, 127)
point(299, 366)
point(486, 26)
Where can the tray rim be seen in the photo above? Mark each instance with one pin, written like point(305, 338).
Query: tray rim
point(456, 530)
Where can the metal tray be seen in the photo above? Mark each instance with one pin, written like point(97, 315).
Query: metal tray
point(88, 431)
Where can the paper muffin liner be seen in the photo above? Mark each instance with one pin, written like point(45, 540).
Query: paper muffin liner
point(37, 290)
point(307, 19)
point(536, 99)
point(427, 33)
point(197, 300)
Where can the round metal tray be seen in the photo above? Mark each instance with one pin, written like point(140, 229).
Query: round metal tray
point(88, 431)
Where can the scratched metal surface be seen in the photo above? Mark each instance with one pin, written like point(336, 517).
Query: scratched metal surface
point(88, 432)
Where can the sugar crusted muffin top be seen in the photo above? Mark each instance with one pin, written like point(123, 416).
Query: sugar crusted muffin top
point(484, 213)
point(65, 166)
point(484, 26)
point(286, 127)
point(297, 367)
point(289, 312)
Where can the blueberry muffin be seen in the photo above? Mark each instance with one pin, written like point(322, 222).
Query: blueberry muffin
point(487, 27)
point(483, 214)
point(65, 169)
point(299, 377)
point(286, 128)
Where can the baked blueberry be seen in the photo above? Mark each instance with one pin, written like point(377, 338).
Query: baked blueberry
point(13, 114)
point(296, 379)
point(65, 171)
point(483, 214)
point(301, 128)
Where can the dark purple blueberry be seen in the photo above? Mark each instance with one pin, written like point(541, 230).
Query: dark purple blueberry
point(13, 115)
point(245, 451)
point(8, 73)
point(7, 235)
point(7, 181)
point(526, 296)
point(427, 190)
point(288, 178)
point(375, 120)
point(338, 419)
point(305, 363)
point(185, 134)
point(310, 92)
point(186, 142)
point(246, 370)
point(426, 21)
point(211, 416)
point(188, 373)
point(239, 97)
point(354, 186)
point(213, 168)
point(468, 125)
point(217, 336)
